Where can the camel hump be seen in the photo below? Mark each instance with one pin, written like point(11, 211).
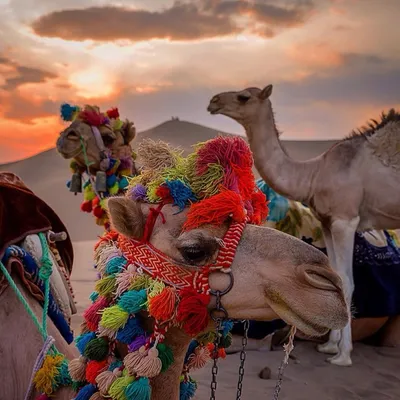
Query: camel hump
point(385, 144)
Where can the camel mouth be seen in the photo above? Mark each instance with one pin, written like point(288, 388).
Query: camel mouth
point(310, 328)
point(213, 110)
point(69, 154)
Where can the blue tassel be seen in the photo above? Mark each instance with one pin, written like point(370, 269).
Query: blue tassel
point(123, 183)
point(227, 327)
point(187, 389)
point(192, 346)
point(111, 179)
point(130, 331)
point(181, 193)
point(115, 364)
point(115, 265)
point(138, 390)
point(93, 296)
point(67, 111)
point(133, 301)
point(82, 340)
point(86, 392)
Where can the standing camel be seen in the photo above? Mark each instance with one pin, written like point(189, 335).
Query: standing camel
point(354, 186)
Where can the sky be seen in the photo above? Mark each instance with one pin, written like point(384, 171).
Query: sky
point(334, 64)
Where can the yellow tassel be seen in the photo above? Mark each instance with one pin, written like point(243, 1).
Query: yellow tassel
point(45, 376)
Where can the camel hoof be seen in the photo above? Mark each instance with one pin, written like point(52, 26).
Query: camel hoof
point(328, 348)
point(341, 360)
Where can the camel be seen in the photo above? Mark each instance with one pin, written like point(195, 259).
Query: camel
point(99, 145)
point(354, 186)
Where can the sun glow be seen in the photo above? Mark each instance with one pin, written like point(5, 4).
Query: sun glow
point(92, 83)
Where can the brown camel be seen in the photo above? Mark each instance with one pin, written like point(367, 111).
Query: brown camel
point(354, 186)
point(116, 138)
point(289, 279)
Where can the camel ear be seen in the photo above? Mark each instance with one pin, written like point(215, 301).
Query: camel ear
point(266, 92)
point(126, 217)
point(128, 131)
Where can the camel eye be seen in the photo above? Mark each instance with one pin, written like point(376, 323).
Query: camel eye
point(108, 140)
point(243, 98)
point(194, 255)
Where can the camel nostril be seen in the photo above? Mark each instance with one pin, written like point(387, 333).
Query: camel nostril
point(323, 279)
point(72, 135)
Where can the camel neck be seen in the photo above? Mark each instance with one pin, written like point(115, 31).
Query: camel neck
point(290, 178)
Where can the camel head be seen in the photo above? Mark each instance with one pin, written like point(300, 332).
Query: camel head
point(96, 134)
point(275, 275)
point(243, 106)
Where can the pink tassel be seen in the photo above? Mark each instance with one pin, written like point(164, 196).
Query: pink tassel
point(124, 279)
point(105, 379)
point(43, 397)
point(143, 362)
point(77, 369)
point(92, 314)
point(199, 358)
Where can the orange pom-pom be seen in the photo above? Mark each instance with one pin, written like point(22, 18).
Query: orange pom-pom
point(260, 208)
point(216, 210)
point(93, 368)
point(162, 306)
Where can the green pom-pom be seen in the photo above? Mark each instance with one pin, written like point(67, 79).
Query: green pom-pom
point(138, 390)
point(97, 349)
point(106, 286)
point(114, 318)
point(117, 389)
point(165, 355)
point(133, 301)
point(226, 341)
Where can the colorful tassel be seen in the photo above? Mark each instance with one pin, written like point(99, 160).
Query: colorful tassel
point(115, 265)
point(143, 362)
point(199, 358)
point(82, 340)
point(92, 315)
point(45, 379)
point(77, 369)
point(140, 389)
point(105, 379)
point(93, 369)
point(162, 306)
point(97, 396)
point(131, 330)
point(187, 389)
point(97, 349)
point(43, 397)
point(192, 311)
point(106, 286)
point(117, 389)
point(165, 355)
point(137, 343)
point(114, 317)
point(133, 301)
point(86, 392)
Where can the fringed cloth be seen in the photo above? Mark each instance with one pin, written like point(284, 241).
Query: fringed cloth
point(18, 259)
point(23, 213)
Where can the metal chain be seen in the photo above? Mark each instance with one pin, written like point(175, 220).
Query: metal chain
point(242, 359)
point(288, 349)
point(214, 369)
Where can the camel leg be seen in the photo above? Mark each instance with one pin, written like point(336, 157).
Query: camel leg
point(343, 233)
point(331, 346)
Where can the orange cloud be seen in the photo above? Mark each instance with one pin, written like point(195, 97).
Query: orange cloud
point(315, 55)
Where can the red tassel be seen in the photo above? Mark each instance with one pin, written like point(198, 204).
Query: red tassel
point(215, 210)
point(260, 208)
point(43, 397)
point(86, 206)
point(93, 368)
point(92, 117)
point(113, 113)
point(162, 306)
point(98, 212)
point(164, 193)
point(92, 314)
point(192, 311)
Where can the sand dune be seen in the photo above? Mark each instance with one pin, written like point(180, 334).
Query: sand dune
point(47, 173)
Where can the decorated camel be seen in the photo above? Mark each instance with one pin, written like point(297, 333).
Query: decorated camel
point(354, 186)
point(183, 249)
point(99, 145)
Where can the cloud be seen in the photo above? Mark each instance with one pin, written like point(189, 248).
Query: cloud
point(22, 74)
point(202, 19)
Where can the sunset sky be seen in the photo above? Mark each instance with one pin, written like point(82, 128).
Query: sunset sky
point(333, 63)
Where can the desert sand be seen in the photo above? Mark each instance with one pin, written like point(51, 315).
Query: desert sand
point(375, 374)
